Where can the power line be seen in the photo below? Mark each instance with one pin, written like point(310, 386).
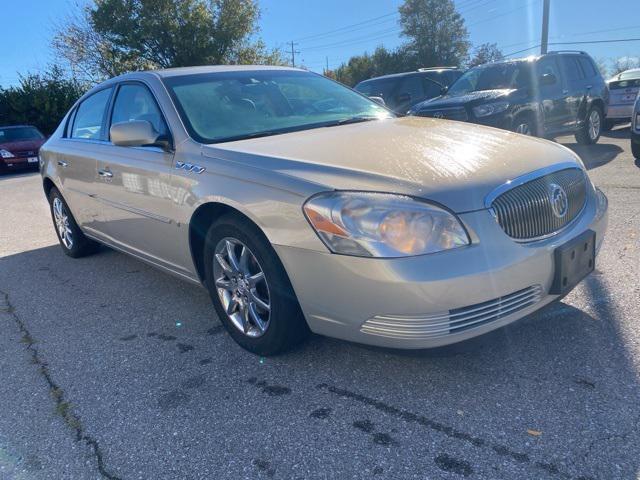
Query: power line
point(346, 42)
point(503, 14)
point(347, 27)
point(587, 42)
point(327, 37)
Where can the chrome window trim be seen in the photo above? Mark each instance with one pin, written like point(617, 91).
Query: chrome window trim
point(527, 177)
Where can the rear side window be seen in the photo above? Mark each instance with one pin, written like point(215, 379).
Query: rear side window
point(624, 84)
point(135, 102)
point(89, 119)
point(587, 67)
point(411, 85)
point(571, 68)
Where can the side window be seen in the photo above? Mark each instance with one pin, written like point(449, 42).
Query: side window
point(571, 68)
point(588, 67)
point(135, 102)
point(89, 116)
point(545, 66)
point(431, 88)
point(411, 85)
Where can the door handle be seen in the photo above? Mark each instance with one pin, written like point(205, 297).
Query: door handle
point(106, 173)
point(589, 87)
point(565, 92)
point(62, 163)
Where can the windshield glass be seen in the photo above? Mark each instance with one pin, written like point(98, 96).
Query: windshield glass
point(226, 106)
point(492, 77)
point(16, 134)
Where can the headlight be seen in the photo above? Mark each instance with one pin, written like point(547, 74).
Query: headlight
point(382, 225)
point(490, 109)
point(6, 153)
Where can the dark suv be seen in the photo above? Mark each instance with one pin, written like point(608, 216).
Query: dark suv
point(549, 95)
point(401, 91)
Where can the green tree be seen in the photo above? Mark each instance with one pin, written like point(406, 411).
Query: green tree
point(486, 53)
point(110, 37)
point(39, 99)
point(435, 31)
point(381, 62)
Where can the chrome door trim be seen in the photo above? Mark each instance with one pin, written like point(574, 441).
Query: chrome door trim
point(127, 208)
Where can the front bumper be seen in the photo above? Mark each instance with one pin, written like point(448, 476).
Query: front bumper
point(408, 302)
point(17, 163)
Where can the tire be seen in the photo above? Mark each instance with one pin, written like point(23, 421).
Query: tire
point(635, 150)
point(525, 125)
point(256, 329)
point(587, 136)
point(73, 242)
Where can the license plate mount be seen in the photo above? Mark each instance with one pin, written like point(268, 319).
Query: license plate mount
point(573, 262)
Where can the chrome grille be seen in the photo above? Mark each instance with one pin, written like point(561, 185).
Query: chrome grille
point(526, 212)
point(450, 113)
point(453, 321)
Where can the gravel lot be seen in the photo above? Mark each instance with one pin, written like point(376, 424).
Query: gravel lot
point(111, 369)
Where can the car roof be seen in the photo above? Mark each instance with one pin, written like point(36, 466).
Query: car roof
point(179, 71)
point(630, 74)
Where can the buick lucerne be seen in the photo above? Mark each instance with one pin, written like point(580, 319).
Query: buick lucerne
point(303, 206)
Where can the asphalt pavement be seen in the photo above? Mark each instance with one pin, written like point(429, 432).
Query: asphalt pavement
point(110, 369)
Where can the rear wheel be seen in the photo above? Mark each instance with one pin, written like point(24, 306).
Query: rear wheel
point(250, 289)
point(590, 132)
point(73, 242)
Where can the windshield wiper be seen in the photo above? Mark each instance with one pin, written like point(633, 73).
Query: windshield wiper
point(347, 121)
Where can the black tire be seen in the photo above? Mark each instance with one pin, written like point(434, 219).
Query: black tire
point(525, 125)
point(635, 150)
point(286, 326)
point(583, 136)
point(81, 245)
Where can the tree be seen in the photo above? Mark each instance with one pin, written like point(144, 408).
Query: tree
point(486, 53)
point(435, 31)
point(110, 37)
point(624, 63)
point(40, 99)
point(381, 62)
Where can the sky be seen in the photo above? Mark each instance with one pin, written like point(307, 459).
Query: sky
point(334, 30)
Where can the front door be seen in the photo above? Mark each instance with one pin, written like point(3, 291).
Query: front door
point(134, 185)
point(552, 97)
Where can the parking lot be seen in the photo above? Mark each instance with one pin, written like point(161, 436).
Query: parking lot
point(111, 369)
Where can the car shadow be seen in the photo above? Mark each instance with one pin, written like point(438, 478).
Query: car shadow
point(621, 131)
point(594, 156)
point(109, 323)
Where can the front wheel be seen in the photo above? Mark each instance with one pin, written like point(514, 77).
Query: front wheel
point(250, 289)
point(590, 132)
point(525, 125)
point(73, 242)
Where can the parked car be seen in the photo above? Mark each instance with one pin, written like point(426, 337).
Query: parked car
point(623, 89)
point(301, 205)
point(635, 129)
point(401, 91)
point(548, 95)
point(19, 146)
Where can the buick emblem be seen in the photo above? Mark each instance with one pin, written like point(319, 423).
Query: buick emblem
point(559, 200)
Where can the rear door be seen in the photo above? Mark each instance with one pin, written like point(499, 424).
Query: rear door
point(552, 98)
point(576, 90)
point(77, 159)
point(135, 184)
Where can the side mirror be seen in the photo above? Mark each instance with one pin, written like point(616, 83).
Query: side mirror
point(137, 133)
point(378, 99)
point(548, 79)
point(444, 90)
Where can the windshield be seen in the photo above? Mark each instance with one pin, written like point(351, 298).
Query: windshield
point(16, 134)
point(492, 77)
point(226, 106)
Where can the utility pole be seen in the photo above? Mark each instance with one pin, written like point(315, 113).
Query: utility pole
point(293, 54)
point(327, 70)
point(544, 43)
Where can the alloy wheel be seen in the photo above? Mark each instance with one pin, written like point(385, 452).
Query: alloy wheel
point(61, 218)
point(594, 124)
point(242, 287)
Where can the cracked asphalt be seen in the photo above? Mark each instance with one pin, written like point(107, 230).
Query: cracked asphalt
point(110, 369)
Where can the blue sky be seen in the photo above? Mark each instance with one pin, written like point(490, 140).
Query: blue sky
point(318, 28)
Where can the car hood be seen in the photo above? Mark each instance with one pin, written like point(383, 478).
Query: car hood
point(452, 163)
point(22, 145)
point(467, 98)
